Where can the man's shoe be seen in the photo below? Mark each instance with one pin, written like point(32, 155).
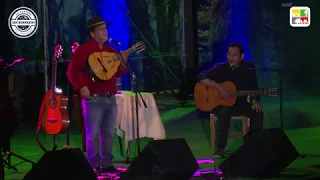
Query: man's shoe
point(219, 154)
point(97, 171)
point(109, 170)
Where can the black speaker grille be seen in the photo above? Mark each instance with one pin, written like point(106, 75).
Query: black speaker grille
point(265, 154)
point(164, 159)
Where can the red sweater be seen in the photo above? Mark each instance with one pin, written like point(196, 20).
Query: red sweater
point(77, 76)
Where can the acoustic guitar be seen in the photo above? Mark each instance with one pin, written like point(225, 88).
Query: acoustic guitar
point(55, 119)
point(207, 98)
point(103, 65)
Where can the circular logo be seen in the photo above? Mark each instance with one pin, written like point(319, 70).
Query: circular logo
point(23, 22)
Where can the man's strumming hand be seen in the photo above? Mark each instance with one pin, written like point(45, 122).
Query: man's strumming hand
point(222, 92)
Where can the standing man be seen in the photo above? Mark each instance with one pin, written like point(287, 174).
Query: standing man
point(234, 70)
point(98, 97)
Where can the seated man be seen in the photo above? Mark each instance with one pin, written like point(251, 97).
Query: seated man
point(234, 70)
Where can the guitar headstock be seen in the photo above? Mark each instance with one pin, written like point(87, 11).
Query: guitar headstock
point(139, 46)
point(57, 51)
point(272, 92)
point(74, 47)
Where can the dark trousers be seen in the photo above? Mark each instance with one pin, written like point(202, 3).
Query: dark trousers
point(224, 118)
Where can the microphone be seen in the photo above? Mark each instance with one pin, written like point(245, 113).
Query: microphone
point(232, 66)
point(114, 41)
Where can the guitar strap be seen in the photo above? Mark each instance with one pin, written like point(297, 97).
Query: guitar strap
point(42, 110)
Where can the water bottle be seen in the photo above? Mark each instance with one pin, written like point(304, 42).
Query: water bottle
point(119, 85)
point(133, 81)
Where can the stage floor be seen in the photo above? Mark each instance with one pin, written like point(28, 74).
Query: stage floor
point(179, 122)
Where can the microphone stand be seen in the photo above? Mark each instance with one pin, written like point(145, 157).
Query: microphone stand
point(14, 62)
point(280, 74)
point(137, 94)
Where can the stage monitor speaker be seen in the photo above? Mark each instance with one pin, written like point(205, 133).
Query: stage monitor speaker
point(265, 154)
point(163, 159)
point(63, 165)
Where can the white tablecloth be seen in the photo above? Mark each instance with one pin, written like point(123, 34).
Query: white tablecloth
point(150, 124)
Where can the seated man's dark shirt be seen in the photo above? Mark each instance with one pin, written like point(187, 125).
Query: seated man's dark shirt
point(242, 77)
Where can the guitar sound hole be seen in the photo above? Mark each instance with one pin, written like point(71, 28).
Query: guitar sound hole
point(53, 103)
point(104, 69)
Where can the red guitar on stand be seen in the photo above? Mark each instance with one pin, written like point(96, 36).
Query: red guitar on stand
point(53, 117)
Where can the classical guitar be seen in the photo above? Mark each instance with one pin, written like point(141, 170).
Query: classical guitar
point(55, 119)
point(207, 98)
point(103, 65)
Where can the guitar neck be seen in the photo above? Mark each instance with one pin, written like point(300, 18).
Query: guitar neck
point(128, 51)
point(247, 93)
point(53, 78)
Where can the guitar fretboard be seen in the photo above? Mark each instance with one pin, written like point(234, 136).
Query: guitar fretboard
point(53, 78)
point(128, 51)
point(247, 93)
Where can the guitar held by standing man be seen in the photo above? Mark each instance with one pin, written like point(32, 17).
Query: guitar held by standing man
point(235, 71)
point(98, 97)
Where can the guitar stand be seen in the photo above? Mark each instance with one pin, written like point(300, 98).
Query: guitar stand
point(54, 140)
point(54, 144)
point(7, 161)
point(6, 158)
point(68, 137)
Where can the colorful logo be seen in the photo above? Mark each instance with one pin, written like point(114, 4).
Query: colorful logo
point(300, 16)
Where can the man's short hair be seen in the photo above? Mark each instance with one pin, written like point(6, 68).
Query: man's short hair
point(238, 45)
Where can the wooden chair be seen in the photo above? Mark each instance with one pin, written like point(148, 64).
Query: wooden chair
point(245, 129)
